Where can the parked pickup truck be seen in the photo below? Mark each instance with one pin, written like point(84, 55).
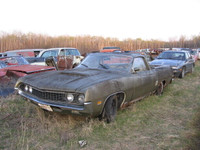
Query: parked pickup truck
point(101, 84)
point(65, 58)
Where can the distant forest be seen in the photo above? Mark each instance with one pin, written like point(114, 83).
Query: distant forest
point(18, 40)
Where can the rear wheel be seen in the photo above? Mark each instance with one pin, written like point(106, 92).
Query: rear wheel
point(159, 91)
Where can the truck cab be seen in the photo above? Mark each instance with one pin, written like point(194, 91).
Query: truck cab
point(64, 58)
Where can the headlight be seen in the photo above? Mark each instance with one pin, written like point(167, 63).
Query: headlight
point(174, 67)
point(26, 88)
point(30, 89)
point(81, 98)
point(70, 97)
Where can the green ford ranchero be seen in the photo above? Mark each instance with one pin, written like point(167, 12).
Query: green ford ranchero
point(101, 84)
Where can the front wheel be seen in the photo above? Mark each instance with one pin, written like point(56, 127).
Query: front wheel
point(110, 109)
point(182, 73)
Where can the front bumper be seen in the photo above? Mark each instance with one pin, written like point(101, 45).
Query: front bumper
point(177, 72)
point(85, 109)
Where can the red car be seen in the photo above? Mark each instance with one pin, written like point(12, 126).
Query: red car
point(110, 49)
point(12, 68)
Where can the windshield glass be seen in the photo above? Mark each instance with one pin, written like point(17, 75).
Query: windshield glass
point(2, 64)
point(12, 61)
point(172, 55)
point(109, 62)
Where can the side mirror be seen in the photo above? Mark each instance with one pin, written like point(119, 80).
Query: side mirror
point(135, 70)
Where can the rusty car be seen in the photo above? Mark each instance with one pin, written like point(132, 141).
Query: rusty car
point(110, 49)
point(101, 84)
point(12, 68)
point(64, 57)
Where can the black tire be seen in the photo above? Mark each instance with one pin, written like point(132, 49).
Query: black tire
point(159, 91)
point(110, 109)
point(182, 73)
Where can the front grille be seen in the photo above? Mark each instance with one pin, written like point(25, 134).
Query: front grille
point(49, 95)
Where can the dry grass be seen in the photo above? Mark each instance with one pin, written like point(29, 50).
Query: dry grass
point(165, 122)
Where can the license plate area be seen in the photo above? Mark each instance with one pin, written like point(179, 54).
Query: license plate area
point(46, 107)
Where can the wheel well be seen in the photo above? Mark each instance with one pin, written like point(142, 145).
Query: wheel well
point(120, 98)
point(164, 83)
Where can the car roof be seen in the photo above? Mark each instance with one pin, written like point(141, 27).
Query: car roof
point(57, 48)
point(23, 50)
point(117, 54)
point(179, 51)
point(61, 48)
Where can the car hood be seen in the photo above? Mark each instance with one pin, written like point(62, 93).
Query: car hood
point(70, 80)
point(168, 62)
point(28, 69)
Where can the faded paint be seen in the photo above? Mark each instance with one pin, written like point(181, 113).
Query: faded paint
point(97, 84)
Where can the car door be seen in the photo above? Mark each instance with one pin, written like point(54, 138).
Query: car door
point(65, 59)
point(146, 78)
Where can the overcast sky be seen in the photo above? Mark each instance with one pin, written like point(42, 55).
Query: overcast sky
point(122, 19)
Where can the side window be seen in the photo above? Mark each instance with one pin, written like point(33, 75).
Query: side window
point(139, 64)
point(67, 52)
point(54, 53)
point(62, 52)
point(187, 55)
point(76, 52)
point(46, 54)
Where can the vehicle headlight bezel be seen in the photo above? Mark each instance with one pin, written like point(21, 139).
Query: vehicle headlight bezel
point(70, 97)
point(174, 67)
point(81, 98)
point(26, 88)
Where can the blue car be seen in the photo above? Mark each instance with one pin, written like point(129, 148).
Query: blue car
point(181, 62)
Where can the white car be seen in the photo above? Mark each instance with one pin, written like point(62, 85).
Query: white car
point(61, 56)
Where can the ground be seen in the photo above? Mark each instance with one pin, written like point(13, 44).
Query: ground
point(170, 121)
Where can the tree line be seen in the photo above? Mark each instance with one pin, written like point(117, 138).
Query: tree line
point(18, 40)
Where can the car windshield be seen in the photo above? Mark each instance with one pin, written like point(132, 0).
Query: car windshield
point(108, 62)
point(12, 61)
point(172, 55)
point(2, 64)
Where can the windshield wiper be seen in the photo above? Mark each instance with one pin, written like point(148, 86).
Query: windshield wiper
point(85, 65)
point(104, 66)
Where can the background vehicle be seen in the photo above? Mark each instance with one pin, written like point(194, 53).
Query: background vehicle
point(145, 54)
point(180, 61)
point(23, 52)
point(12, 68)
point(110, 49)
point(65, 58)
point(101, 84)
point(198, 52)
point(193, 53)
